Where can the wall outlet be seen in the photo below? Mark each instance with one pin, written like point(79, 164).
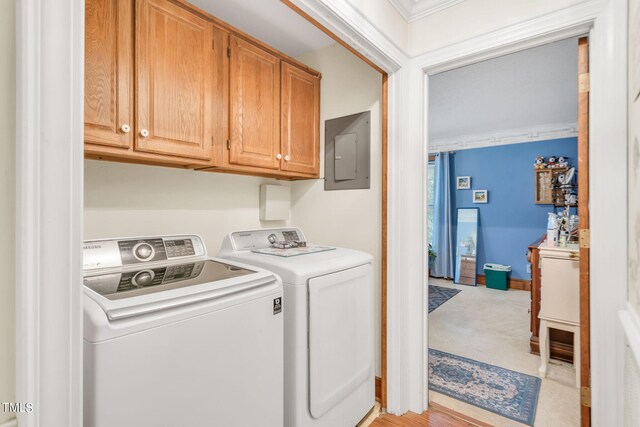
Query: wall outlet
point(528, 267)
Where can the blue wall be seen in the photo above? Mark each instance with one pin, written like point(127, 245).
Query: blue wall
point(511, 220)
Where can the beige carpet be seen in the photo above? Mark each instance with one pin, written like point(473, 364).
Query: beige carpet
point(492, 326)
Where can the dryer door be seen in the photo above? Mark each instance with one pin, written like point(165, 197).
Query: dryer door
point(341, 328)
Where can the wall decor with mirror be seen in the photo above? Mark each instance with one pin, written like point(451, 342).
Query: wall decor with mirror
point(466, 246)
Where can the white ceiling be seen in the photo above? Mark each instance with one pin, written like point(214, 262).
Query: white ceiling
point(531, 89)
point(412, 10)
point(269, 21)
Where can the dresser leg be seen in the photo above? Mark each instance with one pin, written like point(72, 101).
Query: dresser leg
point(544, 348)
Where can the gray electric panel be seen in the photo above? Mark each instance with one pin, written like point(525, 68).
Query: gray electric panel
point(347, 152)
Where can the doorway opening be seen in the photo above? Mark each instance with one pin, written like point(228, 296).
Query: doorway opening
point(507, 145)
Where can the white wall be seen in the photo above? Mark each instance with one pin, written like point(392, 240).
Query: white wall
point(132, 200)
point(472, 18)
point(350, 218)
point(386, 18)
point(7, 205)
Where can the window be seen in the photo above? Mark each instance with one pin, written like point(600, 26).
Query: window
point(431, 178)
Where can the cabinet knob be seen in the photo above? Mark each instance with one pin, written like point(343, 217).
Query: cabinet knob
point(286, 158)
point(278, 156)
point(144, 133)
point(125, 128)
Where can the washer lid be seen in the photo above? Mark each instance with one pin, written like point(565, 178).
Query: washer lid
point(143, 281)
point(125, 293)
point(297, 270)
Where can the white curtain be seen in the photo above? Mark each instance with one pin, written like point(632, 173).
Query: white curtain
point(442, 218)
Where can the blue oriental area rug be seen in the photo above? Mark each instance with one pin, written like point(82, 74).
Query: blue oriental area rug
point(507, 393)
point(438, 295)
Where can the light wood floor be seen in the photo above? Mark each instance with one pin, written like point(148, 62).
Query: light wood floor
point(436, 416)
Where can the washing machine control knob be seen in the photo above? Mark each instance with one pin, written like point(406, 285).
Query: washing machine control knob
point(143, 278)
point(143, 251)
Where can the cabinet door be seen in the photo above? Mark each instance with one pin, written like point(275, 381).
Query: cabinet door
point(255, 106)
point(300, 105)
point(108, 73)
point(174, 69)
point(560, 289)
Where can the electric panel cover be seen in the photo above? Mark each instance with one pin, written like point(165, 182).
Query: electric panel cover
point(348, 152)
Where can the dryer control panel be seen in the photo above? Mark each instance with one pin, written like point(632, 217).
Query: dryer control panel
point(98, 254)
point(265, 238)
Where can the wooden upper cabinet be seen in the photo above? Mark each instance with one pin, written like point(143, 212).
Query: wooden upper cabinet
point(254, 118)
point(174, 70)
point(300, 104)
point(167, 84)
point(108, 75)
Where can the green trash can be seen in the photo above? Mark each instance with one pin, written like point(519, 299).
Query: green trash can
point(496, 276)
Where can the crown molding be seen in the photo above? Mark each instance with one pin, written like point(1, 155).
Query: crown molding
point(348, 23)
point(412, 10)
point(563, 24)
point(505, 137)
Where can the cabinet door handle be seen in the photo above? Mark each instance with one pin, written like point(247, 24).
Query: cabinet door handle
point(286, 158)
point(278, 156)
point(125, 128)
point(144, 133)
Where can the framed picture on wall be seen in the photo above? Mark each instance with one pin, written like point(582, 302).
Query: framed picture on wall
point(480, 196)
point(463, 182)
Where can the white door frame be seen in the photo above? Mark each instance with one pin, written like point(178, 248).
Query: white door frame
point(49, 175)
point(49, 210)
point(605, 22)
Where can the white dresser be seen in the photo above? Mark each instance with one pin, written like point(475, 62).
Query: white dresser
point(560, 299)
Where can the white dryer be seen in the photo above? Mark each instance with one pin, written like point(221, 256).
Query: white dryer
point(329, 377)
point(175, 338)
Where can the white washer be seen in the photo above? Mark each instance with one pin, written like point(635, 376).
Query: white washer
point(329, 325)
point(175, 338)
